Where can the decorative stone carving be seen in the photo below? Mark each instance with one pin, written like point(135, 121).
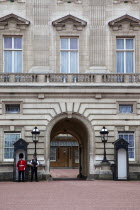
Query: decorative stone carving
point(125, 23)
point(13, 22)
point(69, 22)
point(125, 1)
point(69, 1)
point(20, 1)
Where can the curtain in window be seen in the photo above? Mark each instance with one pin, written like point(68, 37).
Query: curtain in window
point(73, 62)
point(120, 44)
point(8, 42)
point(8, 61)
point(130, 139)
point(64, 62)
point(64, 44)
point(125, 109)
point(120, 62)
point(9, 148)
point(11, 108)
point(17, 43)
point(17, 61)
point(129, 62)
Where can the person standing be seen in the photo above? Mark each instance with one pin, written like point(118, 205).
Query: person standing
point(21, 165)
point(34, 165)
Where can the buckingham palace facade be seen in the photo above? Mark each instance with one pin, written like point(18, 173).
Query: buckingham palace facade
point(70, 67)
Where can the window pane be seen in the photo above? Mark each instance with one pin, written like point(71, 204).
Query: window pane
point(53, 153)
point(129, 43)
point(120, 136)
point(12, 108)
point(76, 155)
point(73, 44)
point(126, 137)
point(64, 62)
point(129, 137)
point(120, 43)
point(73, 62)
point(17, 61)
point(129, 62)
point(17, 43)
point(131, 152)
point(7, 42)
point(64, 44)
point(7, 61)
point(10, 138)
point(125, 108)
point(120, 62)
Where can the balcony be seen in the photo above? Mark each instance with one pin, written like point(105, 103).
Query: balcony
point(68, 79)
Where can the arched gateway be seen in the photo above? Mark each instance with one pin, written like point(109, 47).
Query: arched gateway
point(81, 129)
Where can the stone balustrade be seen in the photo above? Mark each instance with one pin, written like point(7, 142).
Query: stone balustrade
point(54, 78)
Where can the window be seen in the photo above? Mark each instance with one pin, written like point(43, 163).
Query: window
point(53, 154)
point(129, 137)
point(12, 54)
point(9, 139)
point(12, 108)
point(125, 108)
point(125, 55)
point(76, 154)
point(69, 55)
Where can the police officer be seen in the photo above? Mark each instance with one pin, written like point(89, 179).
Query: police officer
point(34, 164)
point(21, 165)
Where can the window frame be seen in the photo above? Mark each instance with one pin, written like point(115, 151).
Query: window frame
point(126, 50)
point(6, 112)
point(126, 106)
point(52, 147)
point(70, 50)
point(125, 133)
point(4, 103)
point(133, 103)
point(5, 133)
point(12, 50)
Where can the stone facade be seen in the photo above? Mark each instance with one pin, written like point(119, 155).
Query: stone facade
point(78, 104)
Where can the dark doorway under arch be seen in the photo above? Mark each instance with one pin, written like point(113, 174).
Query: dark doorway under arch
point(76, 129)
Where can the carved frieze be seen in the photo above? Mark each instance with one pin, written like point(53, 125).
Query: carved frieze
point(125, 1)
point(13, 22)
point(125, 23)
point(20, 1)
point(69, 1)
point(69, 22)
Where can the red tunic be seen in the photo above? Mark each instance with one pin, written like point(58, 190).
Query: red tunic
point(21, 165)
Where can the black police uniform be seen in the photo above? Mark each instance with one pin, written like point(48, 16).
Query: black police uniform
point(35, 163)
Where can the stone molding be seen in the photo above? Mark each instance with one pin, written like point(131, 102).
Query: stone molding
point(125, 23)
point(70, 22)
point(125, 1)
point(19, 1)
point(69, 1)
point(13, 22)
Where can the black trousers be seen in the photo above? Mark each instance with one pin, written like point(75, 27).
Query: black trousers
point(19, 175)
point(34, 171)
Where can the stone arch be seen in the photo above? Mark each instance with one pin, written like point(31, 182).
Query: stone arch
point(79, 127)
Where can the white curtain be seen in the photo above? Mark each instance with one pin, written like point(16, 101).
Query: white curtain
point(125, 57)
point(7, 42)
point(73, 62)
point(64, 62)
point(17, 61)
point(129, 62)
point(8, 61)
point(125, 109)
point(17, 43)
point(9, 148)
point(120, 62)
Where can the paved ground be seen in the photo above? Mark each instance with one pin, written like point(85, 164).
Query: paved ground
point(64, 173)
point(70, 195)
